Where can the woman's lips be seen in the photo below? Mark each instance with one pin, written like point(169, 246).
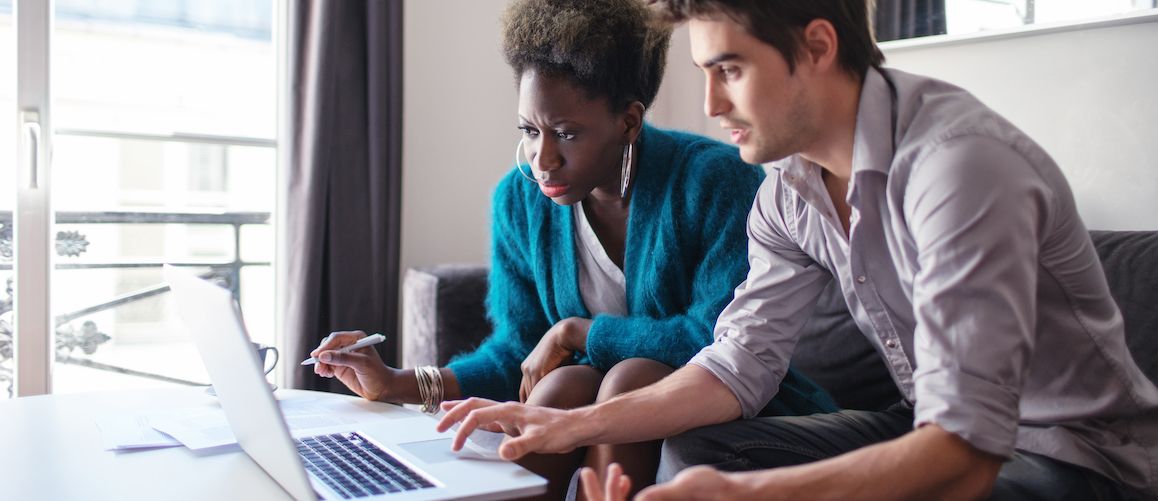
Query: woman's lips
point(554, 190)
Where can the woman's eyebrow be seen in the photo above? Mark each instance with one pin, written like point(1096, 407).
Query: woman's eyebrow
point(557, 123)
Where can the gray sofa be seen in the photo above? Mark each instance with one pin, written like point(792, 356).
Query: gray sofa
point(443, 314)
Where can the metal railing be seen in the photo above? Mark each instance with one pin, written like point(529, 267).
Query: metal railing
point(88, 337)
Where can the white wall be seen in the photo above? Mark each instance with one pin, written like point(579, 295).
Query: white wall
point(1087, 95)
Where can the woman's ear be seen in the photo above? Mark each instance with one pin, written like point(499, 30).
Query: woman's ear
point(633, 120)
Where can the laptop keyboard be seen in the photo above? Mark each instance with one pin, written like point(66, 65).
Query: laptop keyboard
point(354, 467)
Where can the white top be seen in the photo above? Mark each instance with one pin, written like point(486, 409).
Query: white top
point(601, 283)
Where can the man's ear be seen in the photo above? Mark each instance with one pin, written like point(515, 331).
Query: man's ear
point(821, 45)
point(633, 121)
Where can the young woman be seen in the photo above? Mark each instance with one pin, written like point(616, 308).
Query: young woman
point(615, 244)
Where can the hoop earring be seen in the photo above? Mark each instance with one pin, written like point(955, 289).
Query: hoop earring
point(519, 165)
point(625, 173)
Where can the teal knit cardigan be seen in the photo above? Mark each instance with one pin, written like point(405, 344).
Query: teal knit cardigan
point(686, 251)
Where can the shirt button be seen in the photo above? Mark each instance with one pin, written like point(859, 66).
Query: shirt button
point(861, 279)
point(892, 343)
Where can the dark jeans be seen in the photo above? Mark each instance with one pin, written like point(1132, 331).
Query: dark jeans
point(769, 442)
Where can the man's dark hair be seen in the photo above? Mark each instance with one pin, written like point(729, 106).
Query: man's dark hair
point(780, 23)
point(608, 48)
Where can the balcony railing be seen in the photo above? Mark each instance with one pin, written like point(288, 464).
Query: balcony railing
point(88, 337)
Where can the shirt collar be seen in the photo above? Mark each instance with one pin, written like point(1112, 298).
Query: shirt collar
point(873, 142)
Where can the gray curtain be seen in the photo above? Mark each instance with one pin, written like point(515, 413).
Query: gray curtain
point(343, 183)
point(897, 19)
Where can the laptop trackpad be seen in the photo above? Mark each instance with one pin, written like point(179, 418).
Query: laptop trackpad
point(431, 451)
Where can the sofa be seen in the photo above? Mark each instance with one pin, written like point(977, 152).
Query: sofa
point(443, 315)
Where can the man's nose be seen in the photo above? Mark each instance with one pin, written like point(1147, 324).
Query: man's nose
point(715, 99)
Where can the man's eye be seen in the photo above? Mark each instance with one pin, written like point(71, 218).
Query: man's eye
point(729, 72)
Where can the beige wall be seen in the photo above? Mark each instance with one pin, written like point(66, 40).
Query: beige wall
point(459, 112)
point(459, 125)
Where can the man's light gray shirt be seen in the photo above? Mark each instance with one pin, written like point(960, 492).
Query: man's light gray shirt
point(969, 270)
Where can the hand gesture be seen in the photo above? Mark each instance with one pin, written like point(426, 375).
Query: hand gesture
point(555, 348)
point(528, 428)
point(615, 488)
point(363, 371)
point(693, 484)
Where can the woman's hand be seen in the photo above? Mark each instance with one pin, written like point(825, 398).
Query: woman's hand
point(555, 349)
point(363, 371)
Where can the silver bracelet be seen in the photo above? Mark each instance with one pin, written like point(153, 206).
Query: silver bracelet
point(423, 386)
point(430, 388)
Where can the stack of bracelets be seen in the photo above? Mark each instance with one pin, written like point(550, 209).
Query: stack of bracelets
point(429, 387)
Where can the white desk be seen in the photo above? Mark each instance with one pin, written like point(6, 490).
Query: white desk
point(51, 449)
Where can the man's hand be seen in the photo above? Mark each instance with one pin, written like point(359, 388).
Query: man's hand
point(615, 488)
point(700, 482)
point(555, 348)
point(362, 371)
point(528, 428)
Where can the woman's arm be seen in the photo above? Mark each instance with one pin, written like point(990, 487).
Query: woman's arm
point(513, 304)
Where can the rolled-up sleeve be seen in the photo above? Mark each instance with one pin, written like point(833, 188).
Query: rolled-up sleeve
point(757, 332)
point(977, 210)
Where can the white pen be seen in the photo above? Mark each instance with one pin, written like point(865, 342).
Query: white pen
point(362, 343)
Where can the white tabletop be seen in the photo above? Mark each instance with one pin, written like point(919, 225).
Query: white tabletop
point(51, 449)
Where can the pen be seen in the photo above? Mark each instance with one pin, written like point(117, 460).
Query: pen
point(362, 343)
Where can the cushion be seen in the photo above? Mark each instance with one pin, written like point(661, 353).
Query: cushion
point(1130, 260)
point(443, 313)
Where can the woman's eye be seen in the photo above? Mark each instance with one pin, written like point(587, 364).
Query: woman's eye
point(527, 131)
point(564, 135)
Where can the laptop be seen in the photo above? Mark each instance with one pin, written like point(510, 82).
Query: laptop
point(392, 459)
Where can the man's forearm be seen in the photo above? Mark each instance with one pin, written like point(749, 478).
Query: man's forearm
point(928, 463)
point(689, 398)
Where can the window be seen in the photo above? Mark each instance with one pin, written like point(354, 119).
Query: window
point(8, 154)
point(968, 16)
point(164, 117)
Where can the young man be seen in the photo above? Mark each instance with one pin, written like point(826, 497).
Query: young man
point(956, 243)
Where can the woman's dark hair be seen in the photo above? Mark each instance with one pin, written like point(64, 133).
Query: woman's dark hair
point(609, 48)
point(780, 23)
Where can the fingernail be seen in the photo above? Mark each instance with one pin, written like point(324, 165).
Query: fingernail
point(325, 356)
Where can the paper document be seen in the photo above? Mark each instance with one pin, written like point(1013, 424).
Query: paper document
point(204, 427)
point(132, 432)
